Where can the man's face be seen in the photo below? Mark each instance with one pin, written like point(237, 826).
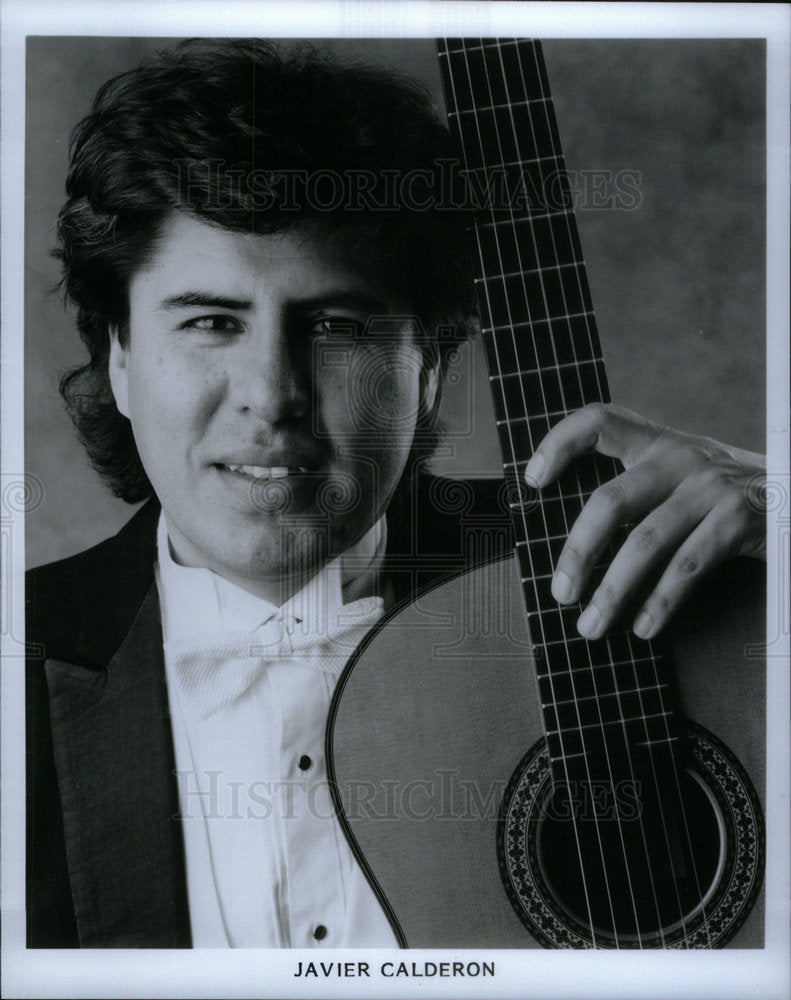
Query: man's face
point(273, 431)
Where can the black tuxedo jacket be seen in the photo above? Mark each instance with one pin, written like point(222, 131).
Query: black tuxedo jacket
point(105, 856)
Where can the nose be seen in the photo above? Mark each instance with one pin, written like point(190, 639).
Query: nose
point(269, 379)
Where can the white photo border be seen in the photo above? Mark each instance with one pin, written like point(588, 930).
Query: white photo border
point(535, 973)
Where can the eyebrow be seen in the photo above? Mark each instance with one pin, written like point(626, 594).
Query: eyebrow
point(205, 300)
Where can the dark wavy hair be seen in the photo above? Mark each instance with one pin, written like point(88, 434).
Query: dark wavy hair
point(242, 135)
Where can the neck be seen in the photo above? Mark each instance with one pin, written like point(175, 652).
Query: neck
point(277, 589)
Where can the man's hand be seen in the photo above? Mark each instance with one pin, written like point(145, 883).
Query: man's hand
point(693, 501)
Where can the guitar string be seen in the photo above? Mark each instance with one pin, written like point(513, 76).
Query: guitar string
point(549, 311)
point(603, 395)
point(560, 733)
point(673, 760)
point(595, 352)
point(552, 234)
point(550, 676)
point(654, 663)
point(655, 658)
point(451, 80)
point(555, 255)
point(658, 686)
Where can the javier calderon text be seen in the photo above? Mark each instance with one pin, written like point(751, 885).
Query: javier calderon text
point(389, 970)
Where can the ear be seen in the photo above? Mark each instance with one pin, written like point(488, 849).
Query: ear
point(118, 368)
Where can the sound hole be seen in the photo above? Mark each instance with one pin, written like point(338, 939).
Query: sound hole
point(626, 866)
point(715, 857)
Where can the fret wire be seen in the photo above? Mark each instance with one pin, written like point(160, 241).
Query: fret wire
point(609, 722)
point(578, 495)
point(602, 666)
point(569, 494)
point(622, 667)
point(557, 318)
point(520, 419)
point(565, 701)
point(559, 505)
point(557, 160)
point(538, 215)
point(495, 45)
point(538, 322)
point(543, 540)
point(597, 699)
point(499, 107)
point(532, 270)
point(576, 639)
point(533, 217)
point(539, 576)
point(533, 544)
point(550, 377)
point(544, 368)
point(530, 577)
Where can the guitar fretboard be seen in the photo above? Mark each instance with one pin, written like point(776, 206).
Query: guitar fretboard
point(604, 702)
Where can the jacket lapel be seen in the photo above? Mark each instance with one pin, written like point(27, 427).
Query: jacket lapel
point(114, 758)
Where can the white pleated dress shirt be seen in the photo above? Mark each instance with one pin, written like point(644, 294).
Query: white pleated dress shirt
point(267, 863)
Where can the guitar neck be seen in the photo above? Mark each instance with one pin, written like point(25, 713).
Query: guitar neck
point(607, 700)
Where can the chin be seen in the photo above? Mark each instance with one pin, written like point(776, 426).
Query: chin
point(293, 556)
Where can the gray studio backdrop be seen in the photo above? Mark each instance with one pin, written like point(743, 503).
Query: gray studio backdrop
point(677, 281)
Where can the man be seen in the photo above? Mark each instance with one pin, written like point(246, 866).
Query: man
point(265, 368)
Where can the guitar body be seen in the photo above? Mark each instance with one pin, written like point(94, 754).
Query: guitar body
point(433, 717)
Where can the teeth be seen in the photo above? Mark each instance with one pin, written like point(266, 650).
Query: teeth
point(265, 472)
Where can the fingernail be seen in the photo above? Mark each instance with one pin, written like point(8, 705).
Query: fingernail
point(535, 470)
point(643, 625)
point(589, 620)
point(562, 587)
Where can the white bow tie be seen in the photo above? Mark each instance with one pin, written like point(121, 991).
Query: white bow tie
point(215, 669)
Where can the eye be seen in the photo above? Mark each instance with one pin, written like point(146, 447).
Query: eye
point(214, 324)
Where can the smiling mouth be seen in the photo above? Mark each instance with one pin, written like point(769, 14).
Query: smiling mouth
point(265, 471)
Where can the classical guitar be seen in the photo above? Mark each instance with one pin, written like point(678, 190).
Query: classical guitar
point(524, 786)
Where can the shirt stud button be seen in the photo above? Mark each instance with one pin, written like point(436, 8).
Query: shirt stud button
point(304, 762)
point(320, 932)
